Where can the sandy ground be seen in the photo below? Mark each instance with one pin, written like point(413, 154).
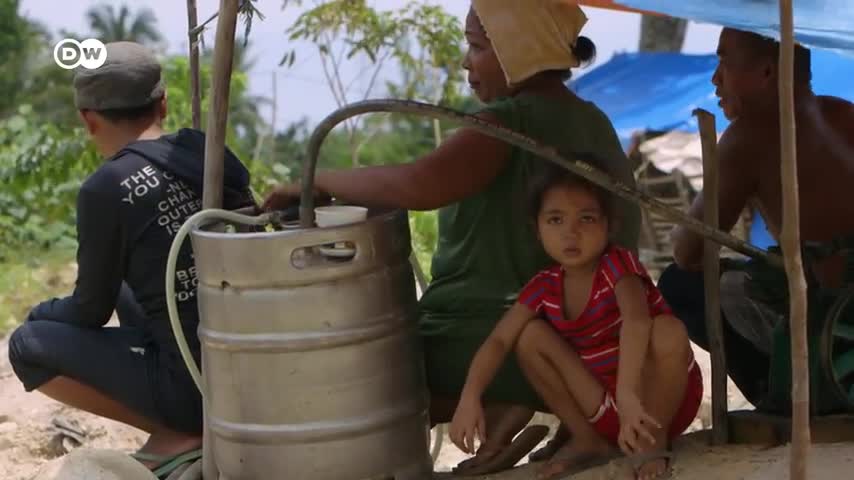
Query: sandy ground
point(29, 441)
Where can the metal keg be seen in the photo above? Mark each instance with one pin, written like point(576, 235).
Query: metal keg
point(312, 365)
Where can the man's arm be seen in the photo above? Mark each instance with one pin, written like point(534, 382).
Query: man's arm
point(100, 264)
point(738, 182)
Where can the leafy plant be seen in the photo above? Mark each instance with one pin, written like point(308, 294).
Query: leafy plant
point(422, 39)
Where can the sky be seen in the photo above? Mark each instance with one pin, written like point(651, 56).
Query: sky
point(302, 90)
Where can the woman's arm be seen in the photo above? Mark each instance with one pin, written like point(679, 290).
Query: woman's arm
point(463, 165)
point(634, 334)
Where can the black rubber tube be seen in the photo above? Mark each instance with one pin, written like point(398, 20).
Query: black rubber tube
point(577, 166)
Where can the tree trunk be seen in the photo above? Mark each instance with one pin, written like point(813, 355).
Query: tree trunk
point(662, 34)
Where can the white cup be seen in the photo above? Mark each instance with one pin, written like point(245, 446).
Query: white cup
point(338, 215)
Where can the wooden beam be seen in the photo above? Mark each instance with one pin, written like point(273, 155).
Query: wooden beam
point(755, 428)
point(712, 276)
point(791, 244)
point(218, 110)
point(192, 21)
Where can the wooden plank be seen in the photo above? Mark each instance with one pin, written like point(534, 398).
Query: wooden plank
point(791, 244)
point(218, 110)
point(754, 428)
point(711, 278)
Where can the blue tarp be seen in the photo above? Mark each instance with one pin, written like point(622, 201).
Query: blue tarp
point(825, 24)
point(658, 91)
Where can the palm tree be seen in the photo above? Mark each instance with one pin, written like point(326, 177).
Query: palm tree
point(662, 34)
point(109, 25)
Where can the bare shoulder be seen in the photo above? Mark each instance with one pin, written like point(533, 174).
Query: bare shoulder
point(738, 144)
point(838, 110)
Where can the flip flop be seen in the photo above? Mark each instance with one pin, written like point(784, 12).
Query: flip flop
point(508, 457)
point(559, 439)
point(582, 464)
point(166, 464)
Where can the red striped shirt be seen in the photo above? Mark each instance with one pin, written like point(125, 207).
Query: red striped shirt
point(595, 334)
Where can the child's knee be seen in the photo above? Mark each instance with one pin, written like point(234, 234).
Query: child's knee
point(669, 337)
point(531, 339)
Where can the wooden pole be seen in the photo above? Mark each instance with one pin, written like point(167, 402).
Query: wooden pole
point(275, 113)
point(218, 110)
point(195, 88)
point(791, 244)
point(712, 276)
point(214, 154)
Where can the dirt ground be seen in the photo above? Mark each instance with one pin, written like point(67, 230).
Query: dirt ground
point(28, 440)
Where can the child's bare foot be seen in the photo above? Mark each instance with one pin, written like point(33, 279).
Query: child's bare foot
point(653, 460)
point(651, 465)
point(652, 469)
point(507, 423)
point(576, 453)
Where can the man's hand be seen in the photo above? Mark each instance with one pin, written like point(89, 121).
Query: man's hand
point(468, 422)
point(635, 424)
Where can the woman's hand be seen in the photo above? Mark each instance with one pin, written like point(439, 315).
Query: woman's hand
point(287, 195)
point(468, 422)
point(635, 424)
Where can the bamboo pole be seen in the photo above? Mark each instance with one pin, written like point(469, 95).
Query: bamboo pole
point(218, 110)
point(192, 20)
point(790, 241)
point(711, 278)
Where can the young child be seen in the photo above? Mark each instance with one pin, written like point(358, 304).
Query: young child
point(594, 338)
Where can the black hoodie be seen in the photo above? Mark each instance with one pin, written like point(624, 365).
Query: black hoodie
point(128, 213)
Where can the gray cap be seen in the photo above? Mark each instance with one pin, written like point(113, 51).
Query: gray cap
point(130, 77)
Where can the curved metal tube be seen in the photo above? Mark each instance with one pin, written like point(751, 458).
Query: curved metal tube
point(577, 166)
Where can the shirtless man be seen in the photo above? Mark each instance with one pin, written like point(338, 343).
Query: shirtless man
point(749, 155)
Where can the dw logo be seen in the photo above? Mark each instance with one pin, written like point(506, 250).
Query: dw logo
point(69, 53)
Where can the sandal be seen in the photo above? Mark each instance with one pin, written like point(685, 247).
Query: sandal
point(557, 441)
point(166, 464)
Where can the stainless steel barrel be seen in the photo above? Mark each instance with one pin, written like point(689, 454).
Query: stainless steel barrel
point(312, 366)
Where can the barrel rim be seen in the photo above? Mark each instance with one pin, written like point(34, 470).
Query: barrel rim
point(374, 219)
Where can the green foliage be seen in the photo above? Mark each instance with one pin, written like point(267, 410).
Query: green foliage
point(425, 233)
point(45, 154)
point(21, 43)
point(109, 24)
point(42, 166)
point(420, 39)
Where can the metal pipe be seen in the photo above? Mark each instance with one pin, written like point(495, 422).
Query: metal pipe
point(577, 166)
